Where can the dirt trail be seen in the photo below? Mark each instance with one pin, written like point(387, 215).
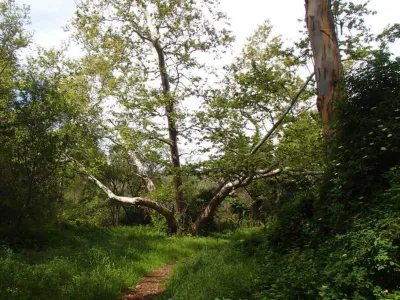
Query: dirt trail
point(150, 286)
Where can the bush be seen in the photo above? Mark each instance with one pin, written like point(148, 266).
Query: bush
point(293, 224)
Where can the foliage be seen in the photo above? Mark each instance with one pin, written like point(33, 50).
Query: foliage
point(354, 35)
point(119, 38)
point(362, 263)
point(358, 258)
point(347, 247)
point(31, 147)
point(301, 145)
point(13, 36)
point(293, 225)
point(338, 239)
point(258, 87)
point(366, 146)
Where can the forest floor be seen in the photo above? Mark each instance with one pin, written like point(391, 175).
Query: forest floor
point(151, 285)
point(83, 262)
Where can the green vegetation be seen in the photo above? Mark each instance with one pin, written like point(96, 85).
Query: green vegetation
point(338, 240)
point(86, 262)
point(224, 272)
point(308, 194)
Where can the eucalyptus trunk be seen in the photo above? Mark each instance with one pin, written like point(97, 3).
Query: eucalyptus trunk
point(327, 63)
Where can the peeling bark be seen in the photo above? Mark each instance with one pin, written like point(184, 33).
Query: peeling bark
point(168, 214)
point(142, 172)
point(172, 129)
point(327, 63)
point(212, 206)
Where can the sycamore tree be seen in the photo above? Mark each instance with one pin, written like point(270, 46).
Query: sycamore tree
point(153, 59)
point(244, 121)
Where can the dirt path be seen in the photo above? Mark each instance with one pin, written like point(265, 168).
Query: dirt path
point(150, 286)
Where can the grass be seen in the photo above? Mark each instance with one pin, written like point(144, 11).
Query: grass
point(221, 272)
point(88, 263)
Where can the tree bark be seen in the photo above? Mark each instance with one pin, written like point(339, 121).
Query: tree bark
point(327, 63)
point(170, 111)
point(172, 128)
point(212, 206)
point(142, 172)
point(168, 214)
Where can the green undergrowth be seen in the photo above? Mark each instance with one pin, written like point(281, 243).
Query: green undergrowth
point(228, 271)
point(86, 263)
point(362, 263)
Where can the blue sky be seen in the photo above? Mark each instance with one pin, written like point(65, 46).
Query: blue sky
point(49, 16)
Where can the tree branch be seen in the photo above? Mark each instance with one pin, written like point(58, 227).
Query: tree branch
point(168, 214)
point(142, 172)
point(280, 120)
point(227, 188)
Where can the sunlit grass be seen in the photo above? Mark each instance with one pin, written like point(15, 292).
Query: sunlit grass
point(222, 272)
point(90, 263)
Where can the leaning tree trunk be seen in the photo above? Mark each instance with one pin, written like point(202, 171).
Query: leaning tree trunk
point(208, 213)
point(140, 201)
point(327, 64)
point(227, 188)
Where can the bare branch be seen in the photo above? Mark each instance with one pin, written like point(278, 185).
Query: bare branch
point(168, 214)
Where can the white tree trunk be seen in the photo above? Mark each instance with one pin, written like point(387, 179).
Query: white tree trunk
point(168, 214)
point(142, 172)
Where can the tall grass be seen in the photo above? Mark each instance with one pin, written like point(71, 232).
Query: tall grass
point(94, 263)
point(224, 271)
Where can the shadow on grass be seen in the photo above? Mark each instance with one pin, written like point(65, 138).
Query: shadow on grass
point(89, 263)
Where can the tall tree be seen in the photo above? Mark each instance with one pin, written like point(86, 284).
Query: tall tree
point(325, 50)
point(14, 37)
point(154, 47)
point(240, 121)
point(150, 57)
